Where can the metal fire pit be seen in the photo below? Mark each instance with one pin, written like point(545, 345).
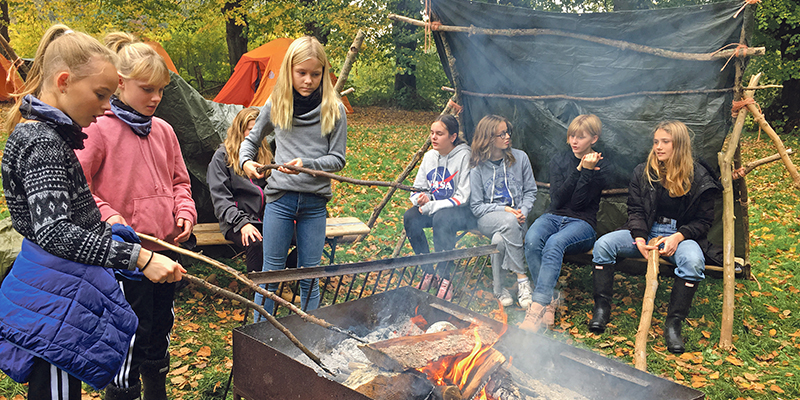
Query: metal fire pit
point(264, 365)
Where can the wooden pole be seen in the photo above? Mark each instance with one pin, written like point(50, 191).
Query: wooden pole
point(472, 30)
point(762, 122)
point(376, 212)
point(766, 160)
point(233, 296)
point(349, 60)
point(588, 99)
point(249, 283)
point(651, 286)
point(728, 225)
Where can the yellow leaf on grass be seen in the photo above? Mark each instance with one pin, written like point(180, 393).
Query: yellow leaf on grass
point(772, 308)
point(735, 361)
point(204, 351)
point(776, 389)
point(773, 332)
point(180, 371)
point(750, 377)
point(178, 380)
point(679, 376)
point(714, 375)
point(706, 334)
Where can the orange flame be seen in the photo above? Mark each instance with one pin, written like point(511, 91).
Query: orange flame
point(456, 370)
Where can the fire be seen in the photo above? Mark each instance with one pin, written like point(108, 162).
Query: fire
point(460, 369)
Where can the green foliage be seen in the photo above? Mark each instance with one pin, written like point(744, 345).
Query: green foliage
point(201, 58)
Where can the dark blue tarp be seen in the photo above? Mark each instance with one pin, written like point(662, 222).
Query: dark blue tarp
point(555, 65)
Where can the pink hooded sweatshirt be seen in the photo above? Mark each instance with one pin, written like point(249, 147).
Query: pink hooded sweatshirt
point(143, 179)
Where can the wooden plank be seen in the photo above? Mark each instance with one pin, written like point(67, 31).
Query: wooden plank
point(208, 234)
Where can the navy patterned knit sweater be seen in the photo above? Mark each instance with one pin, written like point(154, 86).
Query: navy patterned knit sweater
point(50, 202)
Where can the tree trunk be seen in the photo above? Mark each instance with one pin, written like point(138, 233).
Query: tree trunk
point(235, 30)
point(405, 37)
point(6, 20)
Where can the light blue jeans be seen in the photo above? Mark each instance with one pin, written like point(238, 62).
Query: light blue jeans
point(549, 238)
point(688, 258)
point(305, 215)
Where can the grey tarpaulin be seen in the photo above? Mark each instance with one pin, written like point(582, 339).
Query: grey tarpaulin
point(200, 125)
point(552, 65)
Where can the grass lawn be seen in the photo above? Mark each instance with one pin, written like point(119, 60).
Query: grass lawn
point(762, 365)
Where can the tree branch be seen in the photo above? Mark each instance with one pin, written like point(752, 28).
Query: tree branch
point(472, 30)
point(323, 174)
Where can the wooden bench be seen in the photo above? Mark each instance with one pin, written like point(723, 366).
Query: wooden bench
point(335, 229)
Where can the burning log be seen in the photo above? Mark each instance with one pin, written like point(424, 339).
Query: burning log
point(412, 352)
point(447, 393)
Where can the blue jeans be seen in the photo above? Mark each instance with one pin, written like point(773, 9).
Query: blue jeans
point(305, 215)
point(690, 263)
point(549, 238)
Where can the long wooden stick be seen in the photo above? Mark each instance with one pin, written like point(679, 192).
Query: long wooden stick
point(233, 296)
point(766, 160)
point(640, 347)
point(249, 283)
point(588, 99)
point(472, 30)
point(323, 174)
point(348, 61)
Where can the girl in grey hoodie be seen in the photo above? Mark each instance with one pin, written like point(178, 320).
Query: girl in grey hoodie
point(502, 194)
point(444, 172)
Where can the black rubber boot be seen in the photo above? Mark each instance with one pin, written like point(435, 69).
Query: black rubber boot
point(154, 379)
point(603, 277)
point(118, 393)
point(680, 301)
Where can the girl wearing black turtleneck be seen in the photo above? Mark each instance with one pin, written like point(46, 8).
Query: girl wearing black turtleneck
point(307, 120)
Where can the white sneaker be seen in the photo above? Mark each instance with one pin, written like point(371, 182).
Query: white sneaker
point(505, 298)
point(524, 294)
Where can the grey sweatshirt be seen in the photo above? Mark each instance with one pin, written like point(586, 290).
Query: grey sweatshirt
point(495, 187)
point(304, 141)
point(446, 177)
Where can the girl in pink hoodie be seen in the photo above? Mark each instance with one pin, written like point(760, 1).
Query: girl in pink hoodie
point(134, 167)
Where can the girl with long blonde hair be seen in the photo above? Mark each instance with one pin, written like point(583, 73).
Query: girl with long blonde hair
point(670, 196)
point(133, 163)
point(502, 193)
point(308, 121)
point(239, 200)
point(63, 275)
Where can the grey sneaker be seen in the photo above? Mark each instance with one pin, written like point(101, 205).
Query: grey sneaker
point(524, 293)
point(505, 298)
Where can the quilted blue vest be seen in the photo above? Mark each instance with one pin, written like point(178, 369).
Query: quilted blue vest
point(72, 315)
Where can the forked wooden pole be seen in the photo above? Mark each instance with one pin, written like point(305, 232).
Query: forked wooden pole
point(728, 225)
point(646, 320)
point(762, 122)
point(349, 60)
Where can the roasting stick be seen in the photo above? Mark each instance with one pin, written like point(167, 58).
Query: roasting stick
point(651, 285)
point(314, 172)
point(242, 278)
point(233, 296)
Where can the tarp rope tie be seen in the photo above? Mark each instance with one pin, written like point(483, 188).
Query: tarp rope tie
point(457, 108)
point(738, 105)
point(739, 47)
point(746, 2)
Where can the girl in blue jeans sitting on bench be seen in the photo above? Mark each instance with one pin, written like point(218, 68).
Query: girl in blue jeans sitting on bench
point(577, 176)
point(670, 196)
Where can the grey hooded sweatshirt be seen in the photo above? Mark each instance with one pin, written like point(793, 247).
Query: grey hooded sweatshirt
point(496, 186)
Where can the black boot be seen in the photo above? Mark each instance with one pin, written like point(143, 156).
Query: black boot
point(603, 277)
point(154, 378)
point(118, 393)
point(680, 301)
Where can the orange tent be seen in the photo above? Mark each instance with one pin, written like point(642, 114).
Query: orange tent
point(163, 53)
point(256, 74)
point(11, 82)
